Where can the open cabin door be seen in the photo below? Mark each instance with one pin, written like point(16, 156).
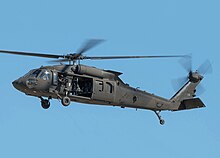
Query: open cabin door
point(72, 85)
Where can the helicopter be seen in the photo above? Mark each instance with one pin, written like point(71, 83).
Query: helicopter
point(90, 85)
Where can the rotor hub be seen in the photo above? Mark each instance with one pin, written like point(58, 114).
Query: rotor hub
point(195, 77)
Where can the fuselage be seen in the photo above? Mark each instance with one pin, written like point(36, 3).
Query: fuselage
point(88, 85)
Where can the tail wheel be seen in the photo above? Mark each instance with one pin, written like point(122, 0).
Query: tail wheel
point(162, 122)
point(66, 101)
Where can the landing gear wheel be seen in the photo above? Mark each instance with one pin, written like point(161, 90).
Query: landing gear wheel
point(45, 103)
point(162, 122)
point(66, 101)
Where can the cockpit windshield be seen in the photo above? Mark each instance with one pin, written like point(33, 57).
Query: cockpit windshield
point(35, 73)
point(45, 75)
point(39, 73)
point(28, 74)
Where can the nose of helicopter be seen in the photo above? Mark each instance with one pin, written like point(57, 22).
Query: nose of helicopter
point(18, 84)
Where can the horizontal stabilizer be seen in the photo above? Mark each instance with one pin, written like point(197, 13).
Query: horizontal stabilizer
point(191, 104)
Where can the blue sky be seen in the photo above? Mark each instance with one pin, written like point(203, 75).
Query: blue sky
point(139, 27)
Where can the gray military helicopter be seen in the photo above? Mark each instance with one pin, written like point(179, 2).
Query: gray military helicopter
point(90, 85)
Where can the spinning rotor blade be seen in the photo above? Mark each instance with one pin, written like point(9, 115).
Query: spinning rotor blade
point(200, 90)
point(186, 63)
point(58, 61)
point(31, 54)
point(89, 44)
point(119, 57)
point(131, 57)
point(205, 68)
point(179, 82)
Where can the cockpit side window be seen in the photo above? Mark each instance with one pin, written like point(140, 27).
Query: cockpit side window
point(45, 75)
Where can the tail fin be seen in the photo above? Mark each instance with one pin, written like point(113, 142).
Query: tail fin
point(184, 98)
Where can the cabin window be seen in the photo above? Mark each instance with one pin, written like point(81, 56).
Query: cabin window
point(55, 78)
point(100, 86)
point(109, 87)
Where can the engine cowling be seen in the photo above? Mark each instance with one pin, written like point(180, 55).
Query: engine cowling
point(93, 71)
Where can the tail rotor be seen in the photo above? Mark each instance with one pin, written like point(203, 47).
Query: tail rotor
point(193, 76)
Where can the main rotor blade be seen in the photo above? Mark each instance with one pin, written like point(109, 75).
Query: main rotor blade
point(31, 54)
point(59, 60)
point(131, 57)
point(119, 57)
point(89, 44)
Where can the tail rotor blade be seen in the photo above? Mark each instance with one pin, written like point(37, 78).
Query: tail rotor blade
point(205, 68)
point(179, 82)
point(186, 63)
point(200, 90)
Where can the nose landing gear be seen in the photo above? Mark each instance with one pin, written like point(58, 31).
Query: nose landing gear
point(45, 103)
